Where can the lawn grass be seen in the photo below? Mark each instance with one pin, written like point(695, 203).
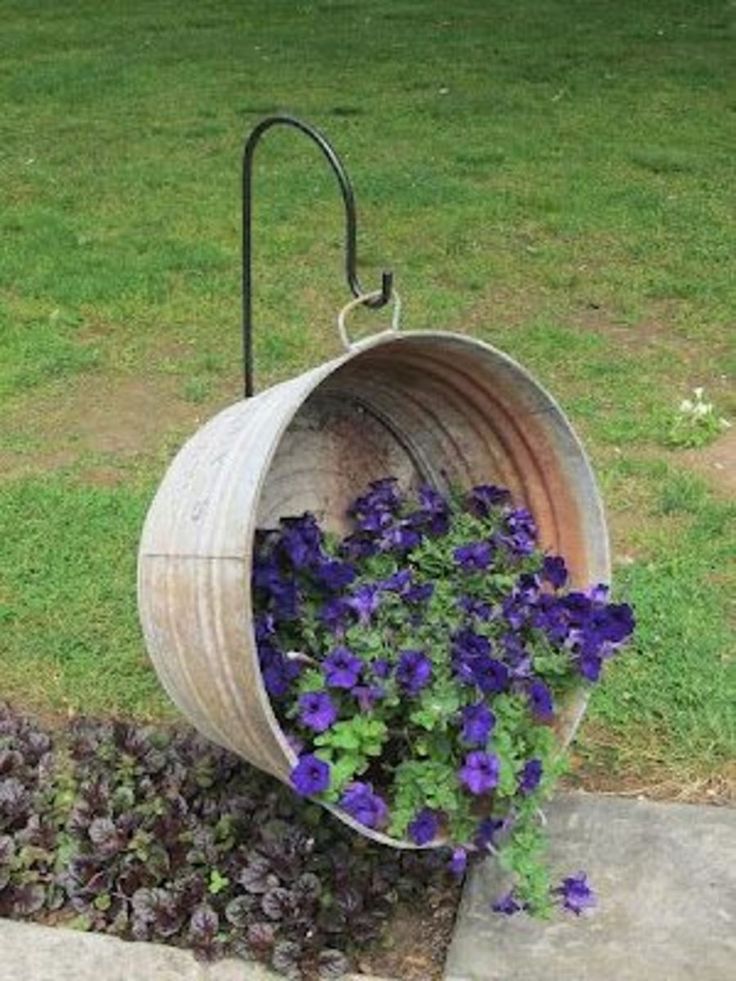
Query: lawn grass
point(554, 177)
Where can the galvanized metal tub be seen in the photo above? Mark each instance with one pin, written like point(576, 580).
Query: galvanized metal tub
point(424, 406)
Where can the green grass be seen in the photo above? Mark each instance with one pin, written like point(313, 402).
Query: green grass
point(552, 176)
point(67, 605)
point(669, 707)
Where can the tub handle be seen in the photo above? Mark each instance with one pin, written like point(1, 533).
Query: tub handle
point(378, 299)
point(365, 299)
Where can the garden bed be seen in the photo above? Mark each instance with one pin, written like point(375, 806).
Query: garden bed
point(156, 834)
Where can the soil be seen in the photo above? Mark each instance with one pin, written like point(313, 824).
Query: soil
point(716, 462)
point(117, 418)
point(415, 944)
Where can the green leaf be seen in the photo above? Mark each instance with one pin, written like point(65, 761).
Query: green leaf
point(217, 882)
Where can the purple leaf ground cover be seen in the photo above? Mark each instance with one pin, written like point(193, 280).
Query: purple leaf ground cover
point(155, 834)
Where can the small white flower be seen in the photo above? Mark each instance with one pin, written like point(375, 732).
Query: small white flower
point(724, 423)
point(686, 406)
point(698, 392)
point(702, 409)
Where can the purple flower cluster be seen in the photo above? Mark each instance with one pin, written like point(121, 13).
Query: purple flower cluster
point(446, 627)
point(585, 624)
point(382, 527)
point(473, 664)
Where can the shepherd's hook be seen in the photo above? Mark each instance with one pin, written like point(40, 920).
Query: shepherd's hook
point(372, 299)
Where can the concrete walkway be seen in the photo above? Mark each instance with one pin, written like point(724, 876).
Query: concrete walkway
point(36, 953)
point(665, 875)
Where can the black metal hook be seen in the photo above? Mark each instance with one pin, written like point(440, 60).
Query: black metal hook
point(350, 231)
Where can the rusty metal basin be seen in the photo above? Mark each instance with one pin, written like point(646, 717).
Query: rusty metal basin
point(424, 406)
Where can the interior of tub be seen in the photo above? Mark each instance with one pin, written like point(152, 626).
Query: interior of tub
point(448, 411)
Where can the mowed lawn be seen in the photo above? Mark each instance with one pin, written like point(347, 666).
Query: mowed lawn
point(552, 176)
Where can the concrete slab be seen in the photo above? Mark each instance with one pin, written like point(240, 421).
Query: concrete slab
point(665, 876)
point(29, 952)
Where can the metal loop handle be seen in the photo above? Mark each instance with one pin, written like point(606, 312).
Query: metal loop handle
point(359, 301)
point(375, 300)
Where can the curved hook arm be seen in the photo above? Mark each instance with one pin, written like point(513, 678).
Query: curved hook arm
point(350, 231)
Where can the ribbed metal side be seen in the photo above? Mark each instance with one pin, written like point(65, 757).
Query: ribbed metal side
point(422, 406)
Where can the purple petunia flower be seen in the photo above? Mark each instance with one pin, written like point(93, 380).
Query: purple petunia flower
point(357, 546)
point(310, 775)
point(360, 801)
point(530, 776)
point(334, 614)
point(414, 671)
point(365, 601)
point(599, 592)
point(475, 607)
point(468, 648)
point(576, 893)
point(317, 710)
point(521, 532)
point(515, 611)
point(483, 498)
point(383, 493)
point(277, 671)
point(400, 538)
point(433, 516)
point(367, 696)
point(342, 668)
point(458, 861)
point(486, 832)
point(551, 616)
point(540, 701)
point(375, 522)
point(478, 721)
point(265, 572)
point(554, 571)
point(381, 668)
point(590, 665)
point(479, 773)
point(396, 583)
point(265, 627)
point(474, 557)
point(490, 675)
point(335, 575)
point(424, 827)
point(301, 540)
point(281, 592)
point(507, 904)
point(419, 593)
point(374, 511)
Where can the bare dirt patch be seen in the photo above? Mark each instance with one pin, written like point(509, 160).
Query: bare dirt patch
point(717, 462)
point(116, 418)
point(415, 944)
